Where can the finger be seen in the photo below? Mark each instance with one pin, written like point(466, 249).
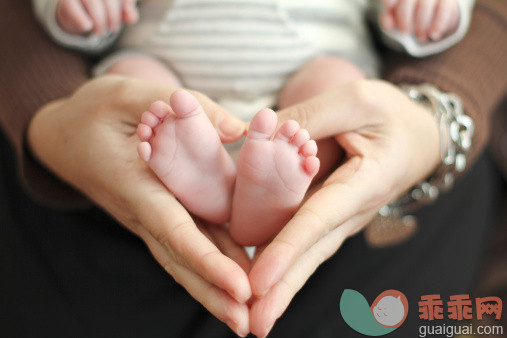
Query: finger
point(258, 252)
point(228, 127)
point(348, 104)
point(215, 300)
point(72, 17)
point(319, 215)
point(446, 16)
point(127, 92)
point(386, 17)
point(389, 4)
point(404, 14)
point(386, 20)
point(266, 310)
point(97, 11)
point(423, 18)
point(168, 222)
point(114, 14)
point(226, 244)
point(129, 12)
point(196, 251)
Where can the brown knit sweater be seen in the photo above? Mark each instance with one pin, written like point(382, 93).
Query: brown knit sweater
point(34, 71)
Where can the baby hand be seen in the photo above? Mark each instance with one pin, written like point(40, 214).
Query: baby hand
point(97, 16)
point(427, 19)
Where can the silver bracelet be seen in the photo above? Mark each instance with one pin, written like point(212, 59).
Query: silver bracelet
point(456, 131)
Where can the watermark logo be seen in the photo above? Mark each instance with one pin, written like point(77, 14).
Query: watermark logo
point(459, 307)
point(387, 312)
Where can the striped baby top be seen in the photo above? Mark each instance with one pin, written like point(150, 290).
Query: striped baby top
point(241, 52)
point(238, 52)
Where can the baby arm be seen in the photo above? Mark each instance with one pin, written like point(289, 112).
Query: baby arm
point(427, 19)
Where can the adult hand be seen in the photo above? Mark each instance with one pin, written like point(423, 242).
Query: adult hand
point(390, 144)
point(89, 140)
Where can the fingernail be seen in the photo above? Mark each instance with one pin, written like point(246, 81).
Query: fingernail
point(87, 26)
point(388, 3)
point(231, 127)
point(435, 35)
point(236, 328)
point(232, 325)
point(236, 297)
point(268, 330)
point(135, 15)
point(263, 293)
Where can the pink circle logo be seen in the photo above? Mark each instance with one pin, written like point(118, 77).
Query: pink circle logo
point(390, 308)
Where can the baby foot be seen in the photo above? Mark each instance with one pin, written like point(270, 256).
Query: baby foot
point(183, 149)
point(273, 176)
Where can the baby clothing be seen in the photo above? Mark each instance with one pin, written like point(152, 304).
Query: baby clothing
point(240, 53)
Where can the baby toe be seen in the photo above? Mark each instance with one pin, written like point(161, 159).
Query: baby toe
point(301, 137)
point(150, 119)
point(160, 109)
point(312, 165)
point(185, 104)
point(309, 148)
point(287, 131)
point(144, 132)
point(262, 125)
point(144, 151)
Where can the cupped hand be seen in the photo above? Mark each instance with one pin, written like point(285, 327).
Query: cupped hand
point(89, 140)
point(390, 144)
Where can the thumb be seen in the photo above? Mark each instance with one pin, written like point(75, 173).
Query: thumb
point(134, 96)
point(228, 127)
point(345, 108)
point(324, 115)
point(130, 13)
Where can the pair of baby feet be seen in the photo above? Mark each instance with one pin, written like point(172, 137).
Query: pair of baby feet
point(258, 196)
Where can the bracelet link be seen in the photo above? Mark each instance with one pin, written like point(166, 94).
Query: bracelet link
point(456, 132)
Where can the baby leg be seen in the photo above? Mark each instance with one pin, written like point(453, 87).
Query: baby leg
point(317, 77)
point(145, 68)
point(181, 146)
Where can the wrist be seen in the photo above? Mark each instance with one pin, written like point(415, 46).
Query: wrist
point(455, 130)
point(409, 124)
point(427, 141)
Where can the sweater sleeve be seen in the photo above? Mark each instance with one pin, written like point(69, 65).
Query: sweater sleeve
point(474, 69)
point(45, 11)
point(33, 72)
